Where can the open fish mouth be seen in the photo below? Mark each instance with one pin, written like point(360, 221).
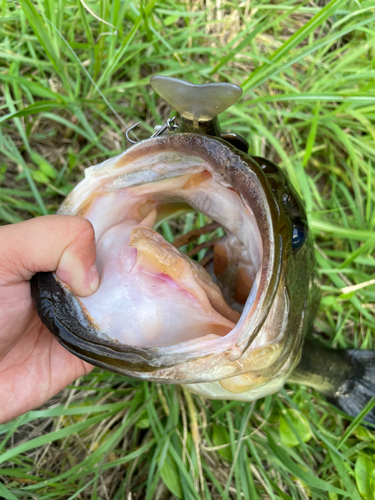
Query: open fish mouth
point(221, 326)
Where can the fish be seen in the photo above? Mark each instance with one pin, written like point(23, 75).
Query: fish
point(236, 325)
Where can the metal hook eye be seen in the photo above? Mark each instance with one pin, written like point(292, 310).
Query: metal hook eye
point(169, 125)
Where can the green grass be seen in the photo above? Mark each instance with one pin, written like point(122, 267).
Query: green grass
point(70, 85)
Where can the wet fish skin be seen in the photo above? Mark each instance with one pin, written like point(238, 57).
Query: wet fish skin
point(260, 183)
point(286, 301)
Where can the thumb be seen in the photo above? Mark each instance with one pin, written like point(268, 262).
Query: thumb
point(61, 243)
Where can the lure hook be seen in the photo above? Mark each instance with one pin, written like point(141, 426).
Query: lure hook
point(169, 125)
point(129, 130)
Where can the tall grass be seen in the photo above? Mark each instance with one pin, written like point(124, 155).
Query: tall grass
point(73, 76)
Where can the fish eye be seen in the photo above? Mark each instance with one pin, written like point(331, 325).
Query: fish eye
point(299, 234)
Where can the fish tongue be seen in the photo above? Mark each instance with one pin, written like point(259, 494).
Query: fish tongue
point(155, 254)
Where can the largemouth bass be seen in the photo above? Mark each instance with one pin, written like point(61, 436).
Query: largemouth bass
point(231, 326)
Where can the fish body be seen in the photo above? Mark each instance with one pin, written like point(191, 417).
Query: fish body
point(232, 329)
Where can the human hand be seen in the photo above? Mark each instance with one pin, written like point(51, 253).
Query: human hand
point(33, 365)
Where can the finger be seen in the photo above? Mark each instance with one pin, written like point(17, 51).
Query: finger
point(34, 371)
point(60, 243)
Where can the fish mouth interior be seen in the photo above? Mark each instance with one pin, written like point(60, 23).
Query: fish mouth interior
point(153, 292)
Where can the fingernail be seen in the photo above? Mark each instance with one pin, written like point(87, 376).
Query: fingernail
point(94, 279)
point(72, 272)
